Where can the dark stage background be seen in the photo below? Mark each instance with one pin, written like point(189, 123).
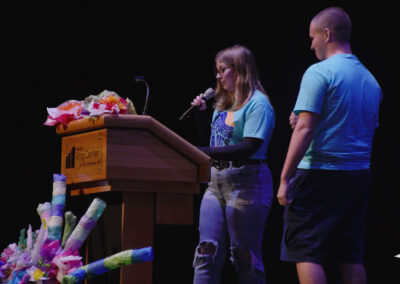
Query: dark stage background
point(61, 50)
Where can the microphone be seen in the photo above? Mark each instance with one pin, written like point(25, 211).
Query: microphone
point(141, 79)
point(208, 94)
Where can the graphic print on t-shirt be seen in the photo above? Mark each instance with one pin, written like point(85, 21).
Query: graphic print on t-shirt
point(221, 133)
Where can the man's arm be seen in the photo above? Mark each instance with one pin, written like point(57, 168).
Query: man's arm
point(301, 138)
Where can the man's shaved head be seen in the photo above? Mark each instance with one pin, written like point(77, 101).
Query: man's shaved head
point(336, 20)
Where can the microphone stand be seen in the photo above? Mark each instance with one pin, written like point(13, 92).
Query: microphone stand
point(141, 79)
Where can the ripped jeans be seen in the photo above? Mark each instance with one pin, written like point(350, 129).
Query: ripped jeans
point(233, 214)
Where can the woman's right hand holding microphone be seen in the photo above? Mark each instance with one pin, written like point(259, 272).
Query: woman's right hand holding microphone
point(199, 102)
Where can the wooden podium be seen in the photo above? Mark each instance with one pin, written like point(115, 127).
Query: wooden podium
point(151, 171)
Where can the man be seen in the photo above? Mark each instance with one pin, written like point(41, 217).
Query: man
point(326, 178)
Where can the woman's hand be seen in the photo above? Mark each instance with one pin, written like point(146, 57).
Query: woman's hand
point(199, 102)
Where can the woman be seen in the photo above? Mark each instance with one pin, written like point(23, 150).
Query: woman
point(235, 206)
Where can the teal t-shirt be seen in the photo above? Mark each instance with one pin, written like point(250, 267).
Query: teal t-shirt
point(255, 119)
point(347, 97)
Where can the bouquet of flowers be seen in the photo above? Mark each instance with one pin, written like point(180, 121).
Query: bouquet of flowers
point(44, 256)
point(91, 106)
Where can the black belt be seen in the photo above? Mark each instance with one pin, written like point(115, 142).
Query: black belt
point(221, 164)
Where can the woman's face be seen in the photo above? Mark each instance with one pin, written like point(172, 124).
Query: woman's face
point(226, 76)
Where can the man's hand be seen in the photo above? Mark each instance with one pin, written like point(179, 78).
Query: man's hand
point(293, 118)
point(282, 193)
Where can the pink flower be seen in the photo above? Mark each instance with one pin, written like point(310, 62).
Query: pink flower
point(50, 249)
point(8, 252)
point(64, 113)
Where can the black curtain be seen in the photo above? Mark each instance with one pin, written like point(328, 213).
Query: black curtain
point(61, 50)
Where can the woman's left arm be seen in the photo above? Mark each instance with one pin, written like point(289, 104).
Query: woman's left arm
point(243, 150)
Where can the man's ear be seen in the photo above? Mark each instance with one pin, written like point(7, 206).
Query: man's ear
point(328, 35)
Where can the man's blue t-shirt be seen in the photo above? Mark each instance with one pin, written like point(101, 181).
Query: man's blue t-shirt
point(346, 96)
point(255, 119)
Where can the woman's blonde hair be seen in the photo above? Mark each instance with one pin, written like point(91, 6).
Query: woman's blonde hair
point(247, 80)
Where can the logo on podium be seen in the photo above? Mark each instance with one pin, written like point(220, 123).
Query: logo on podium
point(70, 159)
point(84, 156)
